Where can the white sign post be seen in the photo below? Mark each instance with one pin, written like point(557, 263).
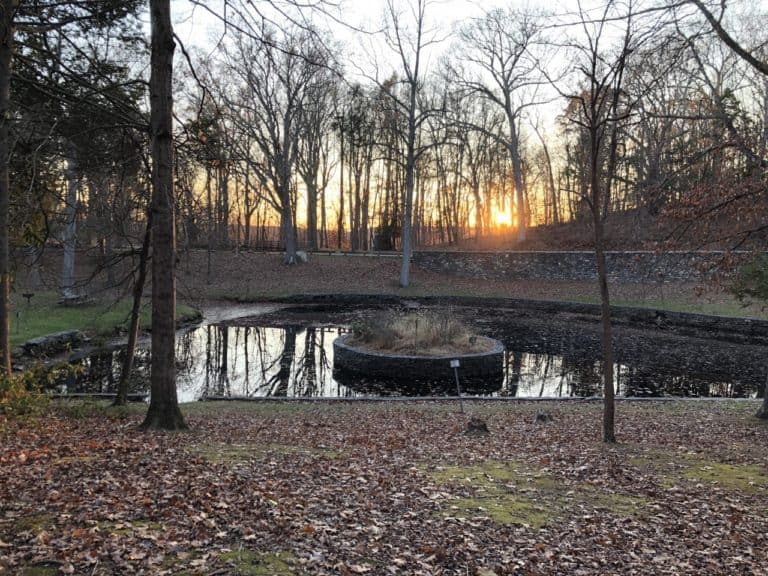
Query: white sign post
point(455, 365)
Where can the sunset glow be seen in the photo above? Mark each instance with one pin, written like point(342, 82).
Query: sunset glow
point(502, 219)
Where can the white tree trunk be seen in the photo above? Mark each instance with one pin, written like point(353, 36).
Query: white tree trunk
point(70, 228)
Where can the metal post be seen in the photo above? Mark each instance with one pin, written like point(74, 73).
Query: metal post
point(455, 366)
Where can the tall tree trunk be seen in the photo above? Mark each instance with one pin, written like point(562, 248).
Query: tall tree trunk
point(323, 221)
point(763, 410)
point(163, 409)
point(550, 178)
point(223, 201)
point(340, 220)
point(609, 405)
point(6, 50)
point(410, 168)
point(133, 330)
point(517, 174)
point(365, 208)
point(70, 227)
point(312, 215)
point(286, 224)
point(209, 199)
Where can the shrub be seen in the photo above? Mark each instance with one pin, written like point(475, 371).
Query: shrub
point(20, 394)
point(752, 280)
point(411, 331)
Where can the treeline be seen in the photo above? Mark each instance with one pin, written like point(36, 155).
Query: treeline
point(281, 141)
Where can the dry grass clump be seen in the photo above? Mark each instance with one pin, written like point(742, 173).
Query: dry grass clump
point(422, 333)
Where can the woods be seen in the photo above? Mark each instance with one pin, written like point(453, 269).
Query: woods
point(283, 144)
point(288, 137)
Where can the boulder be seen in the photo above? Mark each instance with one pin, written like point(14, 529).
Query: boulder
point(52, 344)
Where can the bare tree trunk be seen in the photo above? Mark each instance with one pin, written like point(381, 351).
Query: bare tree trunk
point(289, 232)
point(70, 228)
point(163, 409)
point(6, 50)
point(133, 331)
point(550, 178)
point(323, 221)
point(609, 404)
point(410, 166)
point(223, 201)
point(517, 175)
point(340, 220)
point(312, 215)
point(763, 411)
point(209, 199)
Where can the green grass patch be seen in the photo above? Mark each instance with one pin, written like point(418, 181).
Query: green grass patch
point(218, 407)
point(243, 562)
point(44, 316)
point(504, 509)
point(746, 478)
point(77, 408)
point(221, 453)
point(128, 527)
point(672, 468)
point(45, 569)
point(35, 523)
point(509, 493)
point(732, 308)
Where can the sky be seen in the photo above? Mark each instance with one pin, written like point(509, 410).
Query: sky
point(196, 26)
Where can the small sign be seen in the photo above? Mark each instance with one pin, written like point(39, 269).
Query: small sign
point(454, 363)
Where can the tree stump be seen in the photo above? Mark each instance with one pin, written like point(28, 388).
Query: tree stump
point(476, 427)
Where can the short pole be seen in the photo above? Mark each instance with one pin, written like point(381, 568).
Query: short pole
point(455, 366)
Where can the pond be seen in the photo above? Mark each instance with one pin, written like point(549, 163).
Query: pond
point(289, 353)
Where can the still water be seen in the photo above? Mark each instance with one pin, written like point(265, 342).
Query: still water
point(542, 360)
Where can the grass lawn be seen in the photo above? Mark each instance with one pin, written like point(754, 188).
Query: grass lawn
point(380, 488)
point(723, 307)
point(101, 318)
point(252, 277)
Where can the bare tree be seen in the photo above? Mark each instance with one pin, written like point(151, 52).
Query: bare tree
point(314, 162)
point(274, 81)
point(500, 64)
point(598, 108)
point(762, 67)
point(163, 409)
point(408, 36)
point(8, 9)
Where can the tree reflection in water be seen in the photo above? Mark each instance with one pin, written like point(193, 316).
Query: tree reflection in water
point(254, 361)
point(296, 360)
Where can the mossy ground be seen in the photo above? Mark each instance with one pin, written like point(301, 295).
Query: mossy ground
point(223, 453)
point(34, 523)
point(672, 468)
point(510, 493)
point(243, 562)
point(374, 485)
point(43, 569)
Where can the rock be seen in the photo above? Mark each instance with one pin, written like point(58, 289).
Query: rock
point(55, 343)
point(73, 301)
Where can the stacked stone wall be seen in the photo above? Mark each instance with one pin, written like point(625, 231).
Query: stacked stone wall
point(622, 266)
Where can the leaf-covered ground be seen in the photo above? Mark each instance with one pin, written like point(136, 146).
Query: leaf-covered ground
point(387, 488)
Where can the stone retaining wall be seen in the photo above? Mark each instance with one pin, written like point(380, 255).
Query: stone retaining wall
point(622, 266)
point(475, 367)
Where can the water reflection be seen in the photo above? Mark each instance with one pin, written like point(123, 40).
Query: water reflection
point(297, 361)
point(258, 361)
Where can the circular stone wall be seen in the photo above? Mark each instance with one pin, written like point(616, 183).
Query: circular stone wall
point(474, 366)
